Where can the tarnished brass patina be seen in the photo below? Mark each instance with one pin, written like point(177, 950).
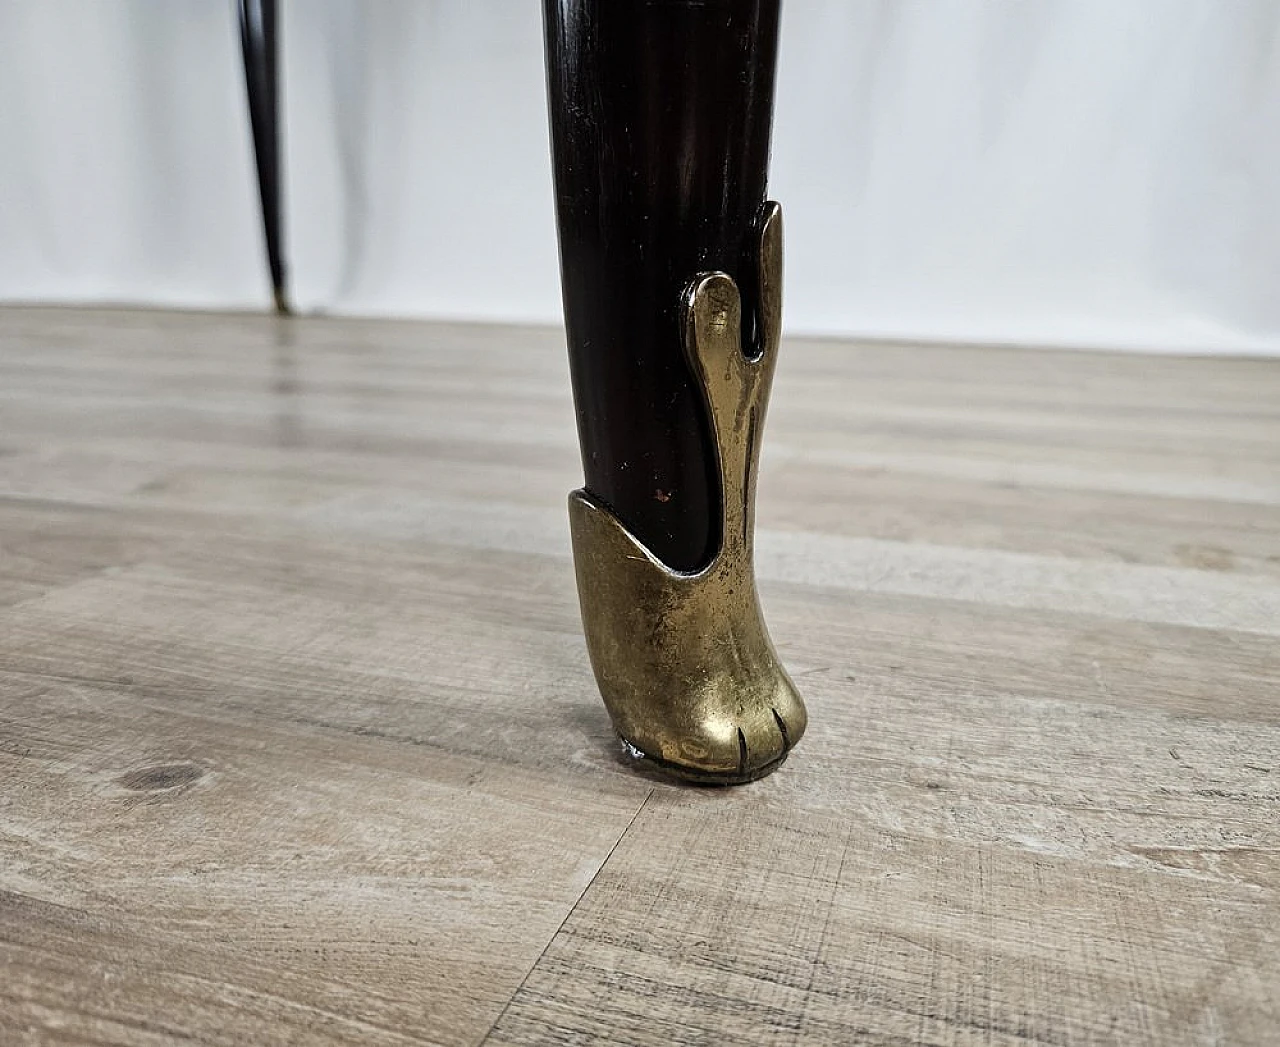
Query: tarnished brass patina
point(684, 661)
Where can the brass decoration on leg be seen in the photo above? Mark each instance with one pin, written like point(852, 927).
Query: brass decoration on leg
point(684, 661)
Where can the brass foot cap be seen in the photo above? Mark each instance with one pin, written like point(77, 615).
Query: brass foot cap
point(683, 660)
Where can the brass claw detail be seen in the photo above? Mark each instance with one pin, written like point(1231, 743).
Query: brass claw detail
point(684, 661)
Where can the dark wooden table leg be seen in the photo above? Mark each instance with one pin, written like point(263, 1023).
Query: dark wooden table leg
point(660, 117)
point(671, 266)
point(258, 44)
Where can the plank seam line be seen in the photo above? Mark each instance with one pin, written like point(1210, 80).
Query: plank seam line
point(572, 909)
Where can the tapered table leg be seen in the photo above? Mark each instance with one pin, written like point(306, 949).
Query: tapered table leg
point(671, 267)
point(258, 45)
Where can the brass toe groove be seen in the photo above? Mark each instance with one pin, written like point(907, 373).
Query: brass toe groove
point(782, 729)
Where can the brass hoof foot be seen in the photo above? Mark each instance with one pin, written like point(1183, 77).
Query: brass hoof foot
point(699, 776)
point(684, 661)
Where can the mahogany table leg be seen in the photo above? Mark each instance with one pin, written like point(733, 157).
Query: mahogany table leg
point(671, 267)
point(258, 45)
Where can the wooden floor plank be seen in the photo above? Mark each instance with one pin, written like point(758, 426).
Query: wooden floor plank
point(254, 883)
point(711, 923)
point(299, 742)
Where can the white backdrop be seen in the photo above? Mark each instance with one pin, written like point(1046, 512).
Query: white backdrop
point(1061, 172)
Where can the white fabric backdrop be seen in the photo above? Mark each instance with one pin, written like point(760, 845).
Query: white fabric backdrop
point(1076, 172)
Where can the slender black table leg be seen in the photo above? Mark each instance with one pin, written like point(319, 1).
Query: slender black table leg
point(258, 44)
point(671, 267)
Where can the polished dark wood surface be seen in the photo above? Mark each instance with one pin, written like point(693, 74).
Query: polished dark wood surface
point(660, 119)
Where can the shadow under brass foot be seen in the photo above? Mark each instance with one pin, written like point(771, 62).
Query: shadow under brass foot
point(684, 661)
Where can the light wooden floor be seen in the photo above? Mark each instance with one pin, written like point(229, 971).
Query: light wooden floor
point(298, 741)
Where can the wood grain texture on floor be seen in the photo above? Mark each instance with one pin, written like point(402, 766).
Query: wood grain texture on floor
point(299, 743)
